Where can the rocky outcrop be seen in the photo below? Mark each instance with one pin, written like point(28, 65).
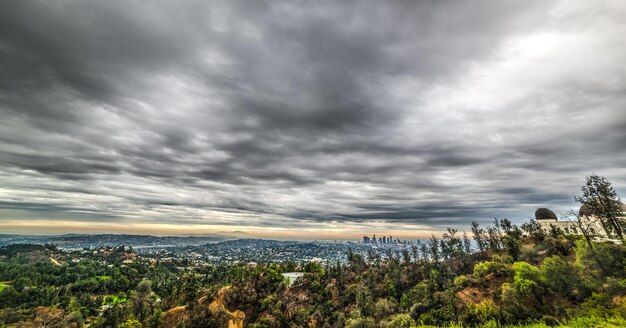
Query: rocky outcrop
point(178, 314)
point(237, 317)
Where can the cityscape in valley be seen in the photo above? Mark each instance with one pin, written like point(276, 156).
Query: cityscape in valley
point(218, 249)
point(312, 164)
point(207, 250)
point(212, 251)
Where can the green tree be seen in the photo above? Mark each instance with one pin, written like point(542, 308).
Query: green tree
point(601, 199)
point(479, 236)
point(361, 323)
point(533, 229)
point(142, 299)
point(402, 321)
point(561, 277)
point(384, 308)
point(433, 246)
point(512, 245)
point(526, 278)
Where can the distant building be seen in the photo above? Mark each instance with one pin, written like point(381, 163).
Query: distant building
point(292, 276)
point(366, 240)
point(590, 221)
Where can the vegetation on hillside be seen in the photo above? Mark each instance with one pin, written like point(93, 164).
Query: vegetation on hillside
point(522, 276)
point(514, 276)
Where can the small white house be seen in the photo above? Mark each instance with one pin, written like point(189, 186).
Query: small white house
point(292, 276)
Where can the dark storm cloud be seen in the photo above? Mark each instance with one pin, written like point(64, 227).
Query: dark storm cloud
point(290, 114)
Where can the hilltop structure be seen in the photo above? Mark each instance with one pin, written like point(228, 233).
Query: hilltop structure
point(589, 221)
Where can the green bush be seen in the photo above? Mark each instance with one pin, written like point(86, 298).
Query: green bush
point(483, 269)
point(486, 311)
point(361, 323)
point(401, 321)
point(526, 278)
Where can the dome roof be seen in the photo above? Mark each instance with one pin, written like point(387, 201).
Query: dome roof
point(586, 211)
point(545, 214)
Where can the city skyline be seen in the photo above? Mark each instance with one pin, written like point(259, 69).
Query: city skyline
point(321, 120)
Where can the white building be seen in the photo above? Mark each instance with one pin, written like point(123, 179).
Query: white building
point(589, 221)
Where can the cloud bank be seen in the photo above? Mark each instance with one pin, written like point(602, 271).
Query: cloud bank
point(307, 115)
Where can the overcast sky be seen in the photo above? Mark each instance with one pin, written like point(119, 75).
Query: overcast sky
point(304, 118)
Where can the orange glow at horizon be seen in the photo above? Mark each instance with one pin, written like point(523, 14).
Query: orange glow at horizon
point(161, 229)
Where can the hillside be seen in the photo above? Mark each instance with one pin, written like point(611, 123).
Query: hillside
point(522, 276)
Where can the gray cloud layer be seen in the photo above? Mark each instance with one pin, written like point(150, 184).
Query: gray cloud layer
point(296, 114)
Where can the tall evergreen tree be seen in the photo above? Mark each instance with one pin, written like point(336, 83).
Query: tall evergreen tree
point(601, 199)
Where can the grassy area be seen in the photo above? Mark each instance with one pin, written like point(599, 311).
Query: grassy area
point(580, 322)
point(2, 287)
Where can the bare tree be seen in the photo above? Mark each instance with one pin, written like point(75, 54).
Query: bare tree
point(584, 225)
point(48, 317)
